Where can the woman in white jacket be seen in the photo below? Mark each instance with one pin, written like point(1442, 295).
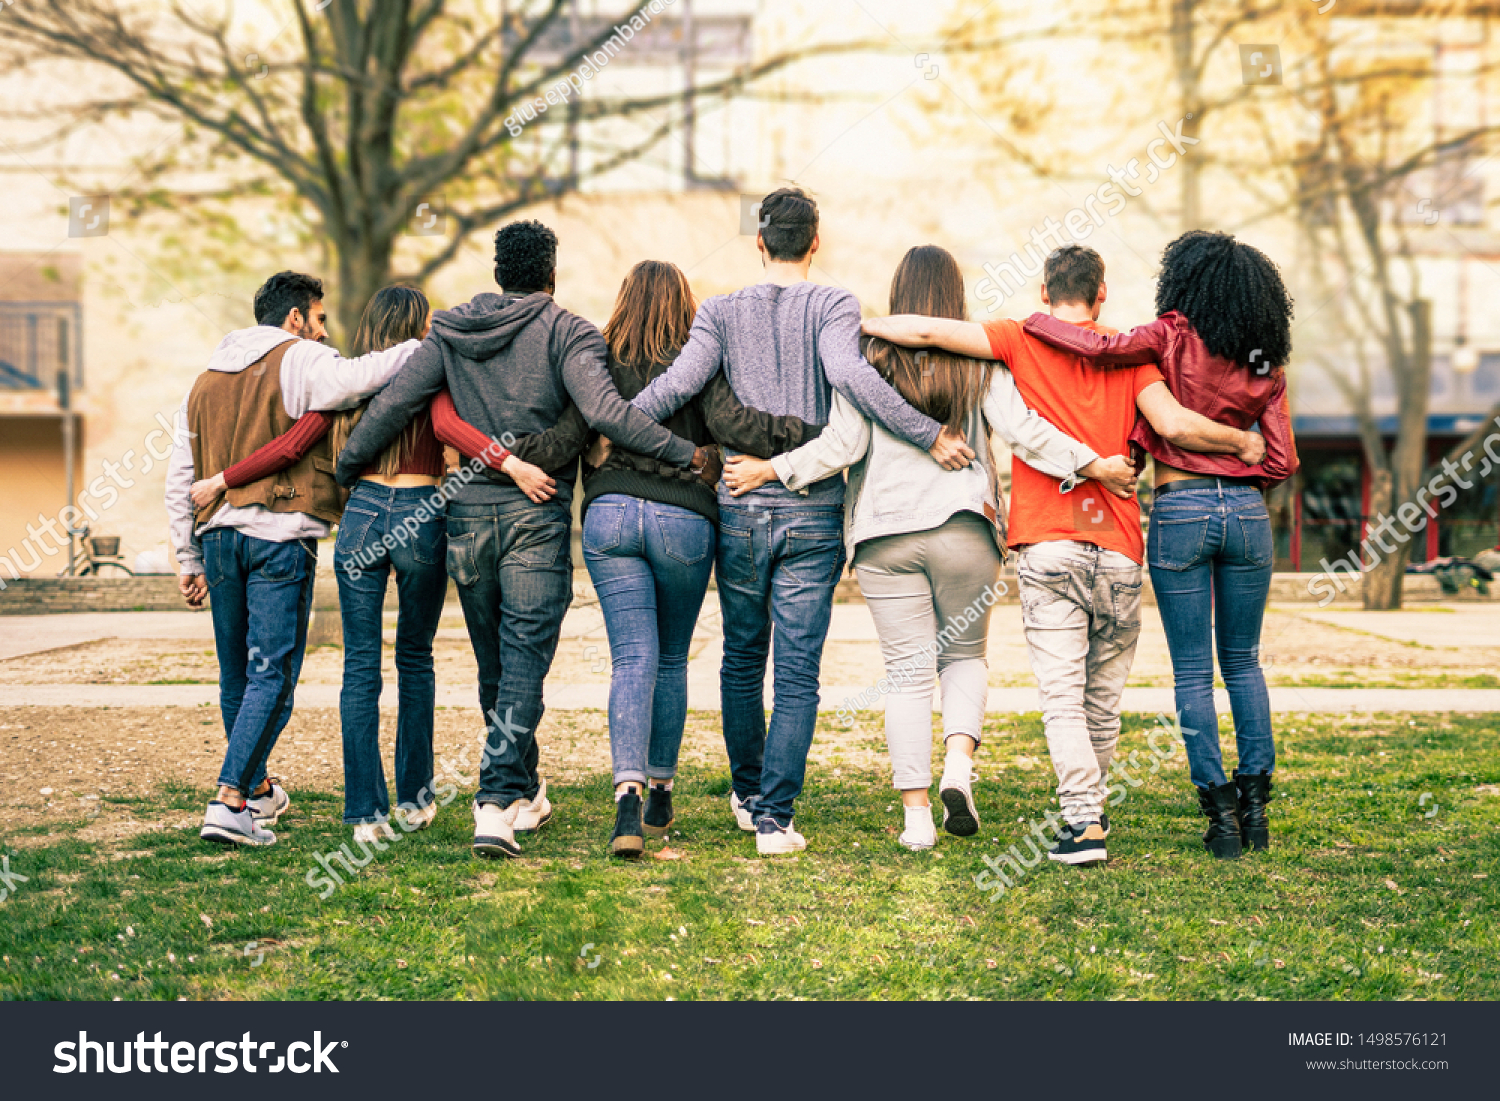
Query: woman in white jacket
point(927, 543)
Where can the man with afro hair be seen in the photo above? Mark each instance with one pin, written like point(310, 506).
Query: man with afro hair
point(514, 362)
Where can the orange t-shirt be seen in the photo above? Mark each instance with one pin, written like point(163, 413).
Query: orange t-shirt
point(1093, 406)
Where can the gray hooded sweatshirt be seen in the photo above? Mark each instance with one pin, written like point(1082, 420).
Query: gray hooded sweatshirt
point(513, 365)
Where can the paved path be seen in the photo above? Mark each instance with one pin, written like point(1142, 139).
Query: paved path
point(1441, 625)
point(571, 697)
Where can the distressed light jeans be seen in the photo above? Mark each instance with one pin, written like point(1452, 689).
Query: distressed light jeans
point(1081, 609)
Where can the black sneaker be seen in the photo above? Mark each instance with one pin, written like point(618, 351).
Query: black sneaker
point(1104, 824)
point(1082, 844)
point(627, 841)
point(659, 817)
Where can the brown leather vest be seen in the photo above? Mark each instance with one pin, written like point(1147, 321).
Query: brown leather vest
point(232, 415)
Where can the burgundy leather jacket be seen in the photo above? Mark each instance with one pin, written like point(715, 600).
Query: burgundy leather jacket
point(1221, 390)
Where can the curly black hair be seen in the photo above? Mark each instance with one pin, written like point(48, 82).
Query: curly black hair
point(1232, 294)
point(525, 257)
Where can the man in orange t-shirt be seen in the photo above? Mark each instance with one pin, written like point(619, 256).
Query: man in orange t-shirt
point(1080, 547)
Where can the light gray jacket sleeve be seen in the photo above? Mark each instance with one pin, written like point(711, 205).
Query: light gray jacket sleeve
point(180, 478)
point(841, 444)
point(1030, 438)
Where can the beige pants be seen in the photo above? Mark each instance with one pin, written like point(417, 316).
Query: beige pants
point(930, 594)
point(1081, 608)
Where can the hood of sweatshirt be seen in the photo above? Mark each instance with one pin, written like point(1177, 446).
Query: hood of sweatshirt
point(486, 325)
point(244, 347)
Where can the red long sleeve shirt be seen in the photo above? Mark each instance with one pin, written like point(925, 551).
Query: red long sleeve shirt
point(1225, 392)
point(426, 458)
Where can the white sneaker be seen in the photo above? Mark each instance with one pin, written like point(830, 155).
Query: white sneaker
point(774, 840)
point(534, 813)
point(417, 818)
point(920, 833)
point(495, 829)
point(223, 825)
point(268, 808)
point(371, 832)
point(959, 816)
point(744, 813)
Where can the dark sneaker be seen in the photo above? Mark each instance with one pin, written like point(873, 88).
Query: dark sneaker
point(627, 840)
point(1104, 824)
point(1083, 844)
point(659, 817)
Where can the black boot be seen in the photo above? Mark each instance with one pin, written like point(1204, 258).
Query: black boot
point(1220, 806)
point(659, 816)
point(627, 841)
point(1255, 793)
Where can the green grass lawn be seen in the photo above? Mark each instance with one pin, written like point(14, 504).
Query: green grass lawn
point(1371, 891)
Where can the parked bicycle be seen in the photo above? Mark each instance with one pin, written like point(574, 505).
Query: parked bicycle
point(99, 553)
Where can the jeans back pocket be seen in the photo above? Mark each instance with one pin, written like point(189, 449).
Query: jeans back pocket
point(461, 564)
point(1176, 542)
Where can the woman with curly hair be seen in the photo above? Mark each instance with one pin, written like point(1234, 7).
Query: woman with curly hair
point(1222, 340)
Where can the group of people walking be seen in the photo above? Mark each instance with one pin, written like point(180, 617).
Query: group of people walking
point(713, 440)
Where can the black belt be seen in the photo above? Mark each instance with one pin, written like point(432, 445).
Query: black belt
point(1206, 483)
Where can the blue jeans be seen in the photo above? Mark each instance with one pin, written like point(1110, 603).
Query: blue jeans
point(778, 564)
point(515, 580)
point(1210, 555)
point(650, 563)
point(385, 528)
point(260, 595)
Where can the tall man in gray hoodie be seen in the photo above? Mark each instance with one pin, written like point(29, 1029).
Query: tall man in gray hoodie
point(514, 362)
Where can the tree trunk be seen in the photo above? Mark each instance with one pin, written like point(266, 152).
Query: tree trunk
point(1380, 589)
point(1190, 102)
point(363, 270)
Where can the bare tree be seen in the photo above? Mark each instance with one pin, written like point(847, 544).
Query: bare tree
point(364, 110)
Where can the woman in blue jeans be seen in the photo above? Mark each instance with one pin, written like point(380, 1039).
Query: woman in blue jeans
point(649, 535)
point(1222, 340)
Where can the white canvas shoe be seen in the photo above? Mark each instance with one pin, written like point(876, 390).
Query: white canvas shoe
point(774, 840)
point(920, 833)
point(495, 829)
point(371, 832)
point(744, 813)
point(534, 813)
point(417, 818)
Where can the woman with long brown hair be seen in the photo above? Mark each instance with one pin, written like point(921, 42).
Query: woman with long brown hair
point(926, 542)
point(649, 535)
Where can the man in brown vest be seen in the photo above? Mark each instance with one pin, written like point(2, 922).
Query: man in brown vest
point(255, 548)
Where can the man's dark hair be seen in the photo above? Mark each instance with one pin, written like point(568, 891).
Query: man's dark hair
point(284, 292)
point(788, 223)
point(1074, 273)
point(1232, 294)
point(525, 257)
